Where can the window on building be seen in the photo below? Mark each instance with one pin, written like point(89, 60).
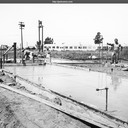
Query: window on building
point(79, 47)
point(84, 47)
point(89, 47)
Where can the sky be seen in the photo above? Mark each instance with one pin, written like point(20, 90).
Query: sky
point(72, 24)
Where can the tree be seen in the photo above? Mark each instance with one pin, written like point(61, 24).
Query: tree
point(98, 38)
point(48, 40)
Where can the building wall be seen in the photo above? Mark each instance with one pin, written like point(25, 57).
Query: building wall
point(70, 48)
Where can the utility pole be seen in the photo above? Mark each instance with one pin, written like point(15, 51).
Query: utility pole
point(42, 46)
point(22, 25)
point(106, 96)
point(39, 26)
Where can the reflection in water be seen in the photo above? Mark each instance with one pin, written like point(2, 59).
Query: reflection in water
point(40, 80)
point(115, 81)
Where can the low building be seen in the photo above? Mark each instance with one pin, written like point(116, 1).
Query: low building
point(70, 47)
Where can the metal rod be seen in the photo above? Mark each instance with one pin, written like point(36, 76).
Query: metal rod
point(42, 40)
point(39, 22)
point(106, 99)
point(106, 96)
point(39, 37)
point(21, 44)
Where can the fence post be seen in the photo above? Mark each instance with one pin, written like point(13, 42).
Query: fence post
point(14, 46)
point(0, 63)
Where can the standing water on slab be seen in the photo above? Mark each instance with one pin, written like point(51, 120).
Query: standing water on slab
point(81, 85)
